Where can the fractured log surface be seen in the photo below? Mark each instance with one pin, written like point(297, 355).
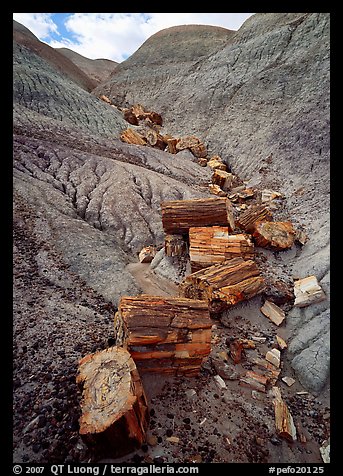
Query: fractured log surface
point(307, 291)
point(275, 235)
point(225, 284)
point(223, 179)
point(180, 215)
point(166, 335)
point(213, 244)
point(253, 215)
point(114, 406)
point(273, 312)
point(283, 419)
point(175, 245)
point(132, 137)
point(194, 144)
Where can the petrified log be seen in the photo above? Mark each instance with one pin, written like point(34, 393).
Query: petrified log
point(274, 234)
point(194, 144)
point(216, 163)
point(155, 139)
point(253, 215)
point(175, 245)
point(213, 244)
point(307, 291)
point(269, 369)
point(283, 419)
point(167, 335)
point(273, 312)
point(132, 137)
point(114, 407)
point(216, 190)
point(223, 179)
point(225, 284)
point(171, 143)
point(130, 117)
point(180, 215)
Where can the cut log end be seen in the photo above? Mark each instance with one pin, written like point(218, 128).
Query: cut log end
point(114, 406)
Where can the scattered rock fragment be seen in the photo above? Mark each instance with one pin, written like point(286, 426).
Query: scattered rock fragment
point(191, 393)
point(300, 237)
point(307, 291)
point(268, 195)
point(173, 439)
point(216, 162)
point(273, 356)
point(202, 162)
point(325, 451)
point(273, 312)
point(283, 418)
point(281, 343)
point(105, 99)
point(288, 381)
point(220, 382)
point(147, 254)
point(216, 190)
point(236, 350)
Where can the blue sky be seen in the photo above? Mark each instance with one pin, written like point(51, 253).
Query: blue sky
point(114, 35)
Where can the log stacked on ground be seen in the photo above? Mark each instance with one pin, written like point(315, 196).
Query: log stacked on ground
point(213, 244)
point(225, 284)
point(180, 215)
point(253, 215)
point(114, 406)
point(166, 335)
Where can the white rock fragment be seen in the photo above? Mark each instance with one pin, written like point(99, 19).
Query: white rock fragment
point(190, 393)
point(147, 254)
point(325, 451)
point(273, 356)
point(273, 312)
point(288, 380)
point(219, 381)
point(307, 291)
point(281, 343)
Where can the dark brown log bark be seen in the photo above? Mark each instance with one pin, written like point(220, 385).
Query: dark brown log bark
point(225, 284)
point(213, 244)
point(114, 407)
point(166, 335)
point(180, 215)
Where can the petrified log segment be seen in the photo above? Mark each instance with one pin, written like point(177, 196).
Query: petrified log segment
point(180, 215)
point(223, 179)
point(217, 163)
point(274, 234)
point(175, 245)
point(192, 143)
point(114, 406)
point(216, 190)
point(132, 137)
point(273, 312)
point(213, 244)
point(147, 254)
point(167, 335)
point(307, 291)
point(283, 419)
point(225, 284)
point(253, 215)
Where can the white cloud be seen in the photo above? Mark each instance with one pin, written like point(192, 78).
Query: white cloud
point(117, 35)
point(40, 24)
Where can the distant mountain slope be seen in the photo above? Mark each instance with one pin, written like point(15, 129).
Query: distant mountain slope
point(60, 62)
point(98, 70)
point(166, 54)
